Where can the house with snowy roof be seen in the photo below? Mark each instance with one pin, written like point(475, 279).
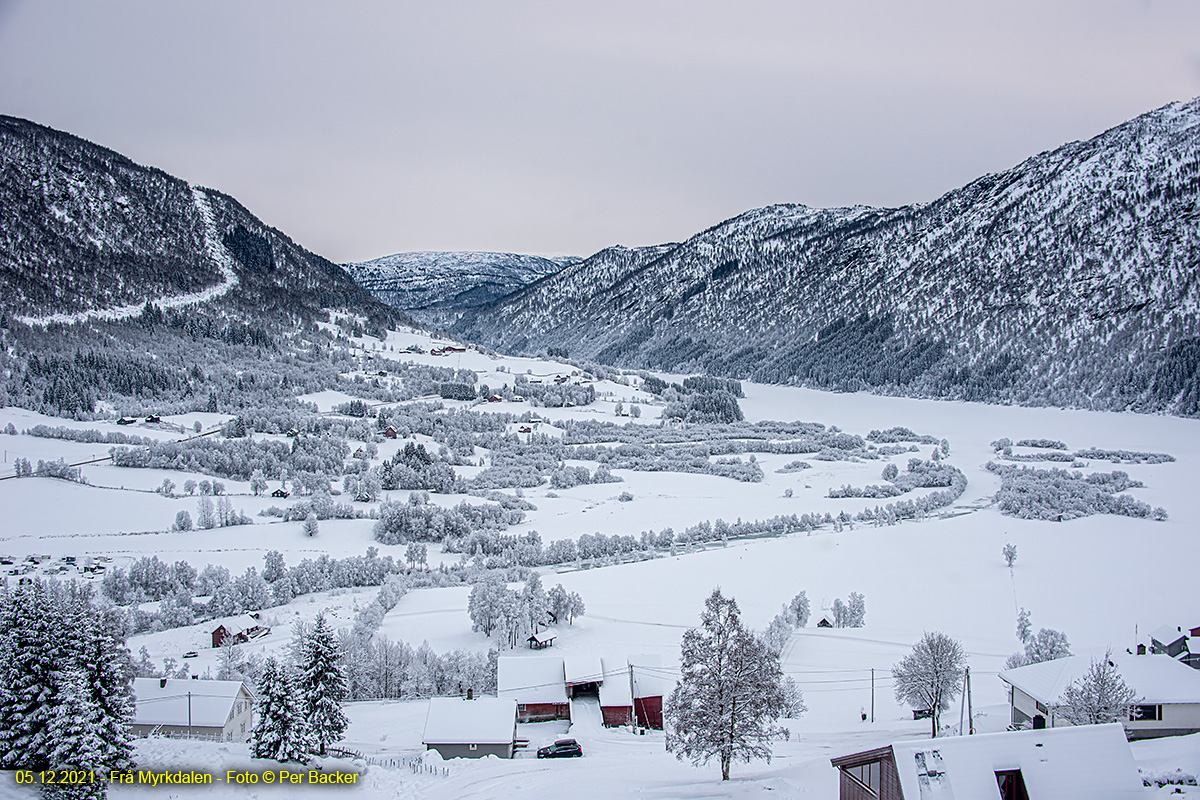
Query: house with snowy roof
point(1177, 642)
point(221, 711)
point(461, 728)
point(239, 629)
point(1092, 761)
point(1168, 693)
point(537, 684)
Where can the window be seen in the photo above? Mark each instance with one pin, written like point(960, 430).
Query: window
point(1012, 785)
point(866, 774)
point(521, 707)
point(1041, 707)
point(1145, 713)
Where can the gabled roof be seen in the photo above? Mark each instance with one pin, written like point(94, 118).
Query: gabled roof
point(160, 702)
point(531, 679)
point(614, 691)
point(583, 669)
point(541, 637)
point(1092, 761)
point(1155, 678)
point(1168, 635)
point(236, 624)
point(485, 720)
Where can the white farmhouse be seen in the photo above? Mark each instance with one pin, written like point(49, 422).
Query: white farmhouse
point(1168, 693)
point(220, 711)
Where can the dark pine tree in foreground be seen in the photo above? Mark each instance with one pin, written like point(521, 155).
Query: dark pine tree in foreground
point(281, 732)
point(322, 684)
point(730, 694)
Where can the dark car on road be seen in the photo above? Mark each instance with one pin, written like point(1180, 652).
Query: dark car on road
point(563, 748)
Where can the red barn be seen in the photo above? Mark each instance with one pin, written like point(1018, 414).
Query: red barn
point(537, 683)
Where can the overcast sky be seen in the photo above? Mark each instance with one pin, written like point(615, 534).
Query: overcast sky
point(368, 128)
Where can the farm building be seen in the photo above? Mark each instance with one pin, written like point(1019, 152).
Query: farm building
point(651, 683)
point(461, 728)
point(280, 492)
point(390, 432)
point(616, 698)
point(1092, 761)
point(584, 674)
point(220, 711)
point(1168, 692)
point(537, 684)
point(241, 628)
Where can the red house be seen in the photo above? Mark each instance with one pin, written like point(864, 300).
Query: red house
point(390, 432)
point(240, 629)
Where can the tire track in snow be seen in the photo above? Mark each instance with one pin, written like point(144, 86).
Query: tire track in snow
point(216, 251)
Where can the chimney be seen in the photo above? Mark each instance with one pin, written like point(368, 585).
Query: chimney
point(470, 694)
point(162, 683)
point(1141, 649)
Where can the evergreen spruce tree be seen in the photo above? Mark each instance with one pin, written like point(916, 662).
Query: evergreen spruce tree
point(73, 740)
point(107, 669)
point(281, 732)
point(730, 692)
point(322, 684)
point(29, 657)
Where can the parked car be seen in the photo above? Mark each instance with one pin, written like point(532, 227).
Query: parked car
point(563, 748)
point(191, 654)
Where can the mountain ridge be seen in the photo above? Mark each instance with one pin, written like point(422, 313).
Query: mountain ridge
point(1068, 279)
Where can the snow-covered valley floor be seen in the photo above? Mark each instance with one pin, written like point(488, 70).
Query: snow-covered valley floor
point(1103, 580)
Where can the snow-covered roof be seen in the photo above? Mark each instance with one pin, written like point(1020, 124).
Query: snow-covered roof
point(1168, 634)
point(1155, 678)
point(650, 677)
point(160, 702)
point(614, 691)
point(235, 624)
point(583, 669)
point(485, 720)
point(532, 679)
point(1092, 761)
point(542, 637)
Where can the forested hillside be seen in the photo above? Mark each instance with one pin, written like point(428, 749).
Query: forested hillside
point(1070, 279)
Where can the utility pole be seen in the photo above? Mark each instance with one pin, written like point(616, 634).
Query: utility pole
point(632, 702)
point(962, 706)
point(872, 694)
point(189, 715)
point(970, 716)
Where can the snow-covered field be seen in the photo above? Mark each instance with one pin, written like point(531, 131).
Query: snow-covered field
point(1099, 579)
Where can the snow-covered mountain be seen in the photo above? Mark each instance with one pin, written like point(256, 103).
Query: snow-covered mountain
point(451, 280)
point(88, 232)
point(1070, 279)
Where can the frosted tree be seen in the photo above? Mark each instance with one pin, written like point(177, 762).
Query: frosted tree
point(183, 521)
point(1010, 554)
point(416, 554)
point(856, 611)
point(931, 676)
point(106, 668)
point(30, 656)
point(322, 684)
point(281, 732)
point(258, 482)
point(798, 610)
point(730, 692)
point(1099, 696)
point(73, 740)
point(310, 524)
point(1024, 626)
point(1047, 645)
point(535, 601)
point(206, 516)
point(840, 613)
point(778, 633)
point(483, 603)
